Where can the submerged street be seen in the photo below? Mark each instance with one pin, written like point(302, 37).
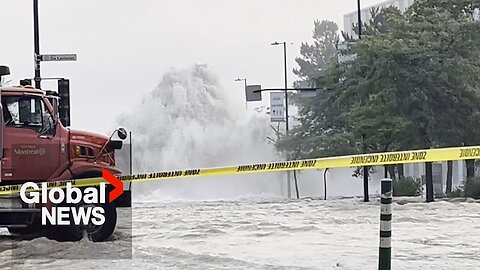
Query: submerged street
point(274, 234)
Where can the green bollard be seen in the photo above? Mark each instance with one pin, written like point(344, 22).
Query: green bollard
point(385, 254)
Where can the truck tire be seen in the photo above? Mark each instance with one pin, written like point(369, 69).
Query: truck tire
point(103, 232)
point(95, 233)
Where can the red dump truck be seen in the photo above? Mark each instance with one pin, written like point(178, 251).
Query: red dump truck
point(37, 146)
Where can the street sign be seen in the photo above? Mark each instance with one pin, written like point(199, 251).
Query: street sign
point(308, 94)
point(305, 89)
point(253, 96)
point(277, 107)
point(58, 57)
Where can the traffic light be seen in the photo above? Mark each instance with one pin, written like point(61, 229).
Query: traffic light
point(64, 102)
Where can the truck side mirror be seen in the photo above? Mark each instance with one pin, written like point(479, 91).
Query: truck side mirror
point(122, 133)
point(64, 102)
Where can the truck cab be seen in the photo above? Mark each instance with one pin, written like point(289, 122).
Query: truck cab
point(37, 147)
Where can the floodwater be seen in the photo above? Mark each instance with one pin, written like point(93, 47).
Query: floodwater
point(273, 234)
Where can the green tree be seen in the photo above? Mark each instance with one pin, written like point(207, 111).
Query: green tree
point(427, 74)
point(455, 25)
point(316, 56)
point(414, 83)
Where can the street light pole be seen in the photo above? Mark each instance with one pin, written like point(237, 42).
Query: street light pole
point(286, 84)
point(286, 80)
point(286, 103)
point(36, 44)
point(359, 13)
point(245, 80)
point(365, 168)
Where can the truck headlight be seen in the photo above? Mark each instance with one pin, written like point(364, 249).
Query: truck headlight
point(78, 150)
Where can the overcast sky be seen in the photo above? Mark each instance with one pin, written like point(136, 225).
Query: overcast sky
point(124, 47)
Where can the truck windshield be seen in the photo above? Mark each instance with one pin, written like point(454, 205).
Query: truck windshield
point(27, 112)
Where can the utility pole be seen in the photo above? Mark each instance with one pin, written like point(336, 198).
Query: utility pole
point(36, 49)
point(359, 13)
point(36, 43)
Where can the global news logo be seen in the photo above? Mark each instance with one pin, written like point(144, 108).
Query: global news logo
point(67, 206)
point(70, 205)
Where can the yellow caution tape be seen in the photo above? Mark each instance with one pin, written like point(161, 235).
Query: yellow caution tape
point(378, 159)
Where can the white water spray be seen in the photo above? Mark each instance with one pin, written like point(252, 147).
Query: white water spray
point(189, 121)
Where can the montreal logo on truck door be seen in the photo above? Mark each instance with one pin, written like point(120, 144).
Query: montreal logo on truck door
point(88, 213)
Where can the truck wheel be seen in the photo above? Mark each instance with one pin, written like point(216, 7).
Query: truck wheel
point(100, 233)
point(93, 232)
point(96, 233)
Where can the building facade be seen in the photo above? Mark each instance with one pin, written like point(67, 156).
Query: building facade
point(351, 19)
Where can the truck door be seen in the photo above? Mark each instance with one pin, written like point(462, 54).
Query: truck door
point(31, 147)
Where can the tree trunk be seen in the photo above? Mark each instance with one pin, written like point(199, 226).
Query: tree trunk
point(470, 168)
point(365, 184)
point(429, 181)
point(449, 177)
point(391, 171)
point(400, 170)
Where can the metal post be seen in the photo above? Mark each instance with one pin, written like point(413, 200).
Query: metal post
point(366, 197)
point(36, 43)
point(365, 168)
point(429, 182)
point(325, 183)
point(289, 188)
point(385, 253)
point(286, 106)
point(359, 20)
point(131, 158)
point(246, 106)
point(286, 84)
